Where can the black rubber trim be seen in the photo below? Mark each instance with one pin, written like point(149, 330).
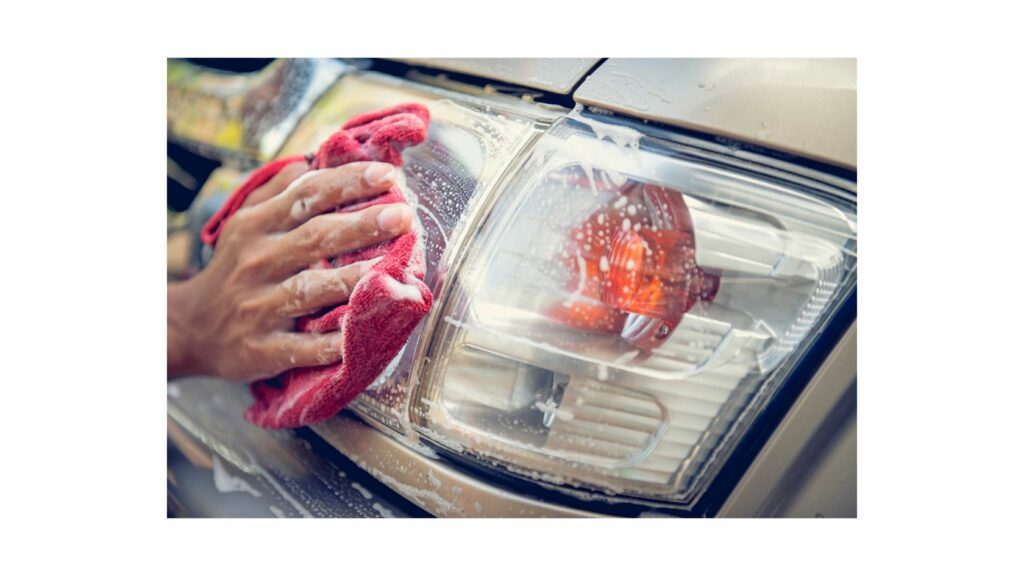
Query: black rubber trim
point(572, 91)
point(236, 65)
point(401, 70)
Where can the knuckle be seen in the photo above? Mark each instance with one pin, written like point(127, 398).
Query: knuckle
point(353, 171)
point(253, 265)
point(338, 230)
point(312, 234)
point(298, 195)
point(252, 345)
point(249, 308)
point(300, 288)
point(310, 185)
point(355, 180)
point(342, 182)
point(240, 221)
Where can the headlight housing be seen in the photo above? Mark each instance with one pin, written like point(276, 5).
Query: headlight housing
point(614, 306)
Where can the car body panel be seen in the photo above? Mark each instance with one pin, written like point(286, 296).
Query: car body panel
point(808, 467)
point(803, 106)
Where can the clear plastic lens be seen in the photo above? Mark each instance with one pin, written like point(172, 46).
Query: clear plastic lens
point(468, 146)
point(623, 307)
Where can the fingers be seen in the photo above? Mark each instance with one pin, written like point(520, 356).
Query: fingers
point(302, 350)
point(329, 235)
point(323, 190)
point(277, 184)
point(311, 290)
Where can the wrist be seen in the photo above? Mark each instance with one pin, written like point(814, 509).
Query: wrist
point(181, 359)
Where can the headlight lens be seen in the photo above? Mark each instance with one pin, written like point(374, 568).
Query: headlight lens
point(470, 143)
point(627, 309)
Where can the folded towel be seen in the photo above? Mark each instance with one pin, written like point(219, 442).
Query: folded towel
point(385, 305)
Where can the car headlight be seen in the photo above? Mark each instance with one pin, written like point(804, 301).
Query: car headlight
point(627, 308)
point(613, 306)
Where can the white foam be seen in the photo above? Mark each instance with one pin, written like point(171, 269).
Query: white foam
point(399, 291)
point(627, 357)
point(384, 512)
point(366, 493)
point(300, 208)
point(434, 480)
point(225, 482)
point(582, 264)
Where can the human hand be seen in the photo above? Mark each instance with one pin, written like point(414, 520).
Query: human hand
point(236, 318)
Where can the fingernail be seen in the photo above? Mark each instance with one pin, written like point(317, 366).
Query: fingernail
point(379, 173)
point(393, 218)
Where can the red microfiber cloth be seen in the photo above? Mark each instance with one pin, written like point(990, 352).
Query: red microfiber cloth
point(385, 305)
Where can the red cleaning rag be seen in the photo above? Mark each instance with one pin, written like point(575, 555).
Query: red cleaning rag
point(385, 305)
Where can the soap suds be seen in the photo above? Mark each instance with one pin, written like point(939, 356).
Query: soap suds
point(622, 136)
point(399, 291)
point(300, 208)
point(581, 263)
point(366, 493)
point(627, 357)
point(384, 512)
point(225, 482)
